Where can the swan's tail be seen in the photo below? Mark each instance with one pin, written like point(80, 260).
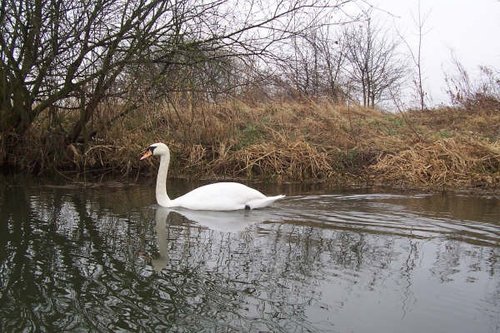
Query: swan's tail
point(264, 202)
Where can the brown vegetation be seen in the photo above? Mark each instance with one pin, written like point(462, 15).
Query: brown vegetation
point(294, 142)
point(260, 94)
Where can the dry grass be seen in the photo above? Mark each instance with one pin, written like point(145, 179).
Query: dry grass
point(443, 163)
point(294, 141)
point(278, 160)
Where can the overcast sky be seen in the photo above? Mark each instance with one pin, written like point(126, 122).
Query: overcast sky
point(469, 29)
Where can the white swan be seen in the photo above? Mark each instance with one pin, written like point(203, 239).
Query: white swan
point(217, 196)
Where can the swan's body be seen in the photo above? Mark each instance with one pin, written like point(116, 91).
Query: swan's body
point(217, 196)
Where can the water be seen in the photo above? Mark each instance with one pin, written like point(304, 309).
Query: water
point(105, 258)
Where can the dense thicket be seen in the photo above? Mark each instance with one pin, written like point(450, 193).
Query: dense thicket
point(62, 60)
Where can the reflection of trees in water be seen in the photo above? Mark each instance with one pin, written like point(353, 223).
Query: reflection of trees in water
point(413, 251)
point(245, 282)
point(61, 267)
point(71, 261)
point(453, 257)
point(463, 266)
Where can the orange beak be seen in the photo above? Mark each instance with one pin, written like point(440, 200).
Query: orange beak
point(147, 154)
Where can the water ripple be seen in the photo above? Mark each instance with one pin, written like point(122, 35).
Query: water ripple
point(384, 213)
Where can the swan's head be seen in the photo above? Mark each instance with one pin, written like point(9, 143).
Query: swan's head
point(157, 149)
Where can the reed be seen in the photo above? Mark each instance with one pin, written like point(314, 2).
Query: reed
point(442, 163)
point(298, 141)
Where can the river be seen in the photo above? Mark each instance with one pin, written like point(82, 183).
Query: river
point(104, 258)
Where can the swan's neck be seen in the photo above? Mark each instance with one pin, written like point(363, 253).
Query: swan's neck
point(161, 182)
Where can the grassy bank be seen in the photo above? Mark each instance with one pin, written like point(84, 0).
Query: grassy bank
point(296, 142)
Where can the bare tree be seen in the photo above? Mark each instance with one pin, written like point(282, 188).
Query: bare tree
point(473, 92)
point(373, 65)
point(314, 67)
point(416, 57)
point(334, 55)
point(68, 54)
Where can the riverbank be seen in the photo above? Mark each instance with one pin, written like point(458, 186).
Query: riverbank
point(443, 148)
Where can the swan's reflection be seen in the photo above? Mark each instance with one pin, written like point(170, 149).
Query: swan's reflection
point(222, 221)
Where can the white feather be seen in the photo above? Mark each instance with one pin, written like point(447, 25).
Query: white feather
point(224, 196)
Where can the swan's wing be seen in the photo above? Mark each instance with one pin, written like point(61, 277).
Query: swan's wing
point(219, 196)
point(263, 202)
